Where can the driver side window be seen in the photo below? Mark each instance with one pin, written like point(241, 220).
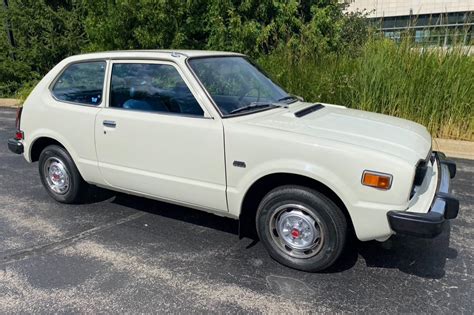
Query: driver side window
point(153, 88)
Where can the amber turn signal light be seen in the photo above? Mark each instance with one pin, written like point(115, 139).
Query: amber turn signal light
point(377, 180)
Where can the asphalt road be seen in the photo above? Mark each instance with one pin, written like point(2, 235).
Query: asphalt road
point(120, 253)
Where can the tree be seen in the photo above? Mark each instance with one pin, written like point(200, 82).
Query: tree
point(45, 32)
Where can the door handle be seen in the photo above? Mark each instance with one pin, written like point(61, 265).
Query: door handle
point(109, 123)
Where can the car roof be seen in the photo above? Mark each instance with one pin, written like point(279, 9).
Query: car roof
point(153, 53)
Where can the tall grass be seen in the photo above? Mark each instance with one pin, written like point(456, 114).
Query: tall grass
point(432, 87)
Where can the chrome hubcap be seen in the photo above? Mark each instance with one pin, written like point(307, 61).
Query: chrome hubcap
point(296, 231)
point(56, 175)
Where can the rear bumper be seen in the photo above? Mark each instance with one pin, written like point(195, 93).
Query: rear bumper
point(15, 146)
point(443, 207)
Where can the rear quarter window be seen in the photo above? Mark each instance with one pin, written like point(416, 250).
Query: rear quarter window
point(81, 83)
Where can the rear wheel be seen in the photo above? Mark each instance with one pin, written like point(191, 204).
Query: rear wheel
point(301, 228)
point(59, 175)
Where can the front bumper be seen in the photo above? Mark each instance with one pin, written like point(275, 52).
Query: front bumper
point(15, 146)
point(443, 207)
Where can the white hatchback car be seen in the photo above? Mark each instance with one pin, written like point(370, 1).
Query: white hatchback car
point(209, 130)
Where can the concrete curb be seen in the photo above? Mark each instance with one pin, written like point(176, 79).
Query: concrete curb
point(455, 148)
point(452, 148)
point(9, 102)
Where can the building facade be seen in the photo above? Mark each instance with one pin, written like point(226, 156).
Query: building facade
point(432, 22)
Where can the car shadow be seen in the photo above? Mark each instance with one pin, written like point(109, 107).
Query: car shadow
point(180, 213)
point(421, 257)
point(424, 258)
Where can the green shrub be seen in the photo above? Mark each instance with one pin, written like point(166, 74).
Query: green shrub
point(310, 47)
point(25, 90)
point(432, 87)
point(44, 33)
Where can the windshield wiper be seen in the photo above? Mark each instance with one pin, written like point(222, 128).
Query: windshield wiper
point(288, 98)
point(256, 105)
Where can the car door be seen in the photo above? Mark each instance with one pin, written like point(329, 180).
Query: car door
point(156, 139)
point(76, 96)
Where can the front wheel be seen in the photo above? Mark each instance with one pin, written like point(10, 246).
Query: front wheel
point(60, 176)
point(301, 228)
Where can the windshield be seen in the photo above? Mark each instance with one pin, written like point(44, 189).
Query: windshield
point(237, 86)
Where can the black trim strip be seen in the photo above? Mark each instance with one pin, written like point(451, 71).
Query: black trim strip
point(308, 110)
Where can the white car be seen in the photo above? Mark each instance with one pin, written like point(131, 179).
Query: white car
point(209, 130)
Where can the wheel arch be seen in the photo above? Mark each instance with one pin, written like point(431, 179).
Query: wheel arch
point(39, 144)
point(265, 184)
point(88, 168)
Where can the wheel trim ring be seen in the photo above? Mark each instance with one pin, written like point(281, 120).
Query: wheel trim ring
point(283, 246)
point(56, 175)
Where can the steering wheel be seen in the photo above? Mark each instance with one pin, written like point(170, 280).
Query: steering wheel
point(246, 93)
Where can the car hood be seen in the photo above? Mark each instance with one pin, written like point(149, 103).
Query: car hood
point(398, 137)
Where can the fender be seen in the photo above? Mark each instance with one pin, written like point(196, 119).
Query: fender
point(237, 194)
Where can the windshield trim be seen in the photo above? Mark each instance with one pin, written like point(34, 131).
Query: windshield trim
point(258, 110)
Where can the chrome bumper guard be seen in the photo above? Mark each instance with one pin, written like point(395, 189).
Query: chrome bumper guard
point(444, 206)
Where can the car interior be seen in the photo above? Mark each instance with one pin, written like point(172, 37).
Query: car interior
point(151, 91)
point(81, 83)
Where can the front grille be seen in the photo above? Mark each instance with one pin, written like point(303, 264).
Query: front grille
point(420, 173)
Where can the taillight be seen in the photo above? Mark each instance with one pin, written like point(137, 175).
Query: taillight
point(18, 118)
point(19, 135)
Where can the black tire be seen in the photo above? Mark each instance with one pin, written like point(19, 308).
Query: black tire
point(308, 204)
point(74, 191)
